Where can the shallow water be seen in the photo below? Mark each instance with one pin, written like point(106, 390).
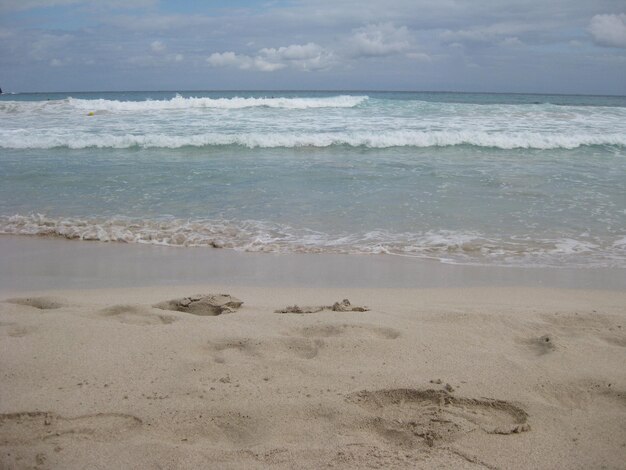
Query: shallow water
point(529, 180)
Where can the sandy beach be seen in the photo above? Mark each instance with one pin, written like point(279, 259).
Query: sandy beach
point(474, 376)
point(312, 235)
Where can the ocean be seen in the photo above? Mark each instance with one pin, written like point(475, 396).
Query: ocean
point(488, 179)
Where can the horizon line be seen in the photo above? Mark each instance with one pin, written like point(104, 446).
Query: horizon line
point(338, 90)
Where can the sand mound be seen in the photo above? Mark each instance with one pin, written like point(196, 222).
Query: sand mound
point(42, 303)
point(204, 305)
point(135, 315)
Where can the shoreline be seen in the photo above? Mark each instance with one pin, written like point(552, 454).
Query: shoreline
point(34, 263)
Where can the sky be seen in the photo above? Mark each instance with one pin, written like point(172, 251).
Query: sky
point(523, 46)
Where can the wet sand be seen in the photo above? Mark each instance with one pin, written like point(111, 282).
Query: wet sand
point(38, 263)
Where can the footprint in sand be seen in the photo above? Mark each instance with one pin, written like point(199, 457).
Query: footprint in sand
point(234, 427)
point(302, 348)
point(38, 426)
point(42, 303)
point(410, 417)
point(136, 315)
point(239, 428)
point(615, 340)
point(226, 350)
point(582, 394)
point(231, 350)
point(345, 330)
point(615, 394)
point(609, 328)
point(15, 330)
point(540, 345)
point(19, 331)
point(594, 389)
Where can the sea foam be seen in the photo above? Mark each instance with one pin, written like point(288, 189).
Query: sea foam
point(307, 121)
point(179, 102)
point(26, 139)
point(448, 246)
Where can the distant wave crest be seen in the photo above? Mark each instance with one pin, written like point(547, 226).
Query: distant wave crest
point(26, 139)
point(179, 102)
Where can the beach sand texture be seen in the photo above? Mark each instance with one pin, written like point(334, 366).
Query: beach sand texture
point(426, 378)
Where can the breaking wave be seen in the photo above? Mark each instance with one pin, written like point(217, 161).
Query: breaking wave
point(26, 139)
point(468, 247)
point(181, 103)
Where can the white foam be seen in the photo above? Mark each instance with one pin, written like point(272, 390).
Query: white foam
point(570, 246)
point(444, 245)
point(25, 139)
point(182, 103)
point(274, 122)
point(620, 244)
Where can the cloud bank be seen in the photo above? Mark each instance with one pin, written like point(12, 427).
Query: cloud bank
point(511, 45)
point(609, 30)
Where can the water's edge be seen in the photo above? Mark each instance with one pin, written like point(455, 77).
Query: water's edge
point(30, 263)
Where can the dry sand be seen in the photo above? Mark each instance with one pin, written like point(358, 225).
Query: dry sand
point(433, 378)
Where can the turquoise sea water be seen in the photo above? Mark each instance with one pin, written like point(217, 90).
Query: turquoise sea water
point(464, 178)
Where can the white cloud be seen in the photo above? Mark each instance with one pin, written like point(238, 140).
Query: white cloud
point(370, 43)
point(225, 59)
point(609, 30)
point(379, 40)
point(242, 61)
point(294, 52)
point(502, 33)
point(308, 56)
point(263, 65)
point(157, 46)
